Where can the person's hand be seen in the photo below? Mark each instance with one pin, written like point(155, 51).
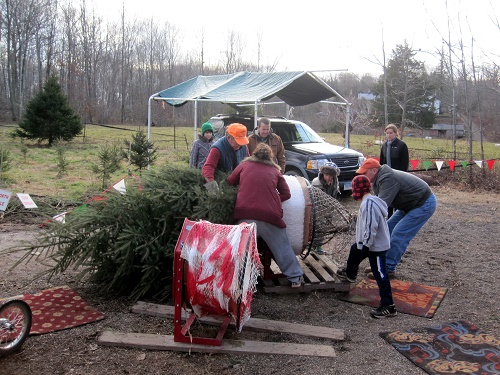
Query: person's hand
point(365, 248)
point(212, 187)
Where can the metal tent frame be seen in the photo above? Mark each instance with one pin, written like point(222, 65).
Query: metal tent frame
point(226, 89)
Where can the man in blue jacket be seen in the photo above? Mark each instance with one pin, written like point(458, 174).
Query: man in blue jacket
point(227, 152)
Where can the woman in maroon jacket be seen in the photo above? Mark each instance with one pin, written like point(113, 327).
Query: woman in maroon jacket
point(261, 190)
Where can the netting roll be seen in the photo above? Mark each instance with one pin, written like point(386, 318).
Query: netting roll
point(314, 218)
point(223, 266)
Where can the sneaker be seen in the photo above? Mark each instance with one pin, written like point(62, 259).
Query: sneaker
point(319, 250)
point(384, 312)
point(342, 275)
point(298, 284)
point(392, 275)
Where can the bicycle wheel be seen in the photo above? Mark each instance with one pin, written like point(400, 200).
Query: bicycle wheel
point(15, 325)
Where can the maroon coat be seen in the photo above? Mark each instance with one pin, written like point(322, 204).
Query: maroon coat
point(262, 188)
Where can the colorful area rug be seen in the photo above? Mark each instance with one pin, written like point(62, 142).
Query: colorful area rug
point(58, 308)
point(409, 298)
point(453, 348)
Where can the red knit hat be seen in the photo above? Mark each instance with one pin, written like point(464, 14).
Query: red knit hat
point(360, 187)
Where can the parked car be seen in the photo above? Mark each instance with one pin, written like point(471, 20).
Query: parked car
point(305, 150)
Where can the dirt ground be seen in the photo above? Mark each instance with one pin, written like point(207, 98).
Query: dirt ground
point(456, 249)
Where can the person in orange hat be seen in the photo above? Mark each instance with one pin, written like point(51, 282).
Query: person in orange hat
point(411, 197)
point(227, 152)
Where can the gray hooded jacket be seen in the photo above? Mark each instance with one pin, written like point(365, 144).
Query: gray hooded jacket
point(371, 226)
point(400, 190)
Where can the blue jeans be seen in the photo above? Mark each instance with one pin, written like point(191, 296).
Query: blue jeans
point(277, 241)
point(403, 227)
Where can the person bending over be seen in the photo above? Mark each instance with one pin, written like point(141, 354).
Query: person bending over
point(412, 199)
point(261, 190)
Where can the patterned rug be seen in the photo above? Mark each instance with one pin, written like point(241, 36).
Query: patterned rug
point(409, 298)
point(453, 348)
point(58, 308)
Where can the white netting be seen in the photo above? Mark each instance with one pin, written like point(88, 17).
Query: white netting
point(223, 268)
point(330, 218)
point(332, 221)
point(311, 215)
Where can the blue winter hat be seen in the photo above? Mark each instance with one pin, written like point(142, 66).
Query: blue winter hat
point(207, 127)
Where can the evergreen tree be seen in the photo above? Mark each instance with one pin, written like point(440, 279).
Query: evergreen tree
point(140, 152)
point(109, 163)
point(5, 160)
point(49, 116)
point(410, 93)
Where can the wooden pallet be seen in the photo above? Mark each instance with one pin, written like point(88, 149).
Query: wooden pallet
point(319, 273)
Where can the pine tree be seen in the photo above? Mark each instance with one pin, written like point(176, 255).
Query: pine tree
point(49, 116)
point(109, 163)
point(140, 152)
point(410, 92)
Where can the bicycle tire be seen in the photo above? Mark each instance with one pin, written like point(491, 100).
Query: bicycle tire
point(15, 326)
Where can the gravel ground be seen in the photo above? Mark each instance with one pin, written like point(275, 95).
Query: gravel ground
point(457, 249)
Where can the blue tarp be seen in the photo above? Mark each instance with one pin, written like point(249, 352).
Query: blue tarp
point(293, 88)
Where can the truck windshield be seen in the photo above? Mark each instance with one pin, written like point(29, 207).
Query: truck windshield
point(297, 132)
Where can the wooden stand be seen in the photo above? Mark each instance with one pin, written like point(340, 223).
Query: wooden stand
point(181, 331)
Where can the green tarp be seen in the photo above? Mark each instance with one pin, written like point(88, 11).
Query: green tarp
point(293, 88)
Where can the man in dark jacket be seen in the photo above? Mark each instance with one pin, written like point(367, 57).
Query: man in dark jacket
point(227, 152)
point(263, 133)
point(410, 196)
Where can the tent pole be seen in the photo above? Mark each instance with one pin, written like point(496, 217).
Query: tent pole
point(149, 116)
point(195, 117)
point(256, 112)
point(149, 120)
point(347, 124)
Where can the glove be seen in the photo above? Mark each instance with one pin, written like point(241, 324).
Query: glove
point(212, 187)
point(365, 248)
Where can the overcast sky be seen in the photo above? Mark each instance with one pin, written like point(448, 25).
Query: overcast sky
point(323, 35)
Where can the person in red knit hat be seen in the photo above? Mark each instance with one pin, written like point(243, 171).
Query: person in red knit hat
point(372, 242)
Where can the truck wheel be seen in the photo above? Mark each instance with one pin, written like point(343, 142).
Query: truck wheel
point(294, 172)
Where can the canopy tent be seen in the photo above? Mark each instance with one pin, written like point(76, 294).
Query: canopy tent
point(250, 88)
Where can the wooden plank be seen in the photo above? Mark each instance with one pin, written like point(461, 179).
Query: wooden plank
point(319, 268)
point(308, 273)
point(166, 342)
point(333, 267)
point(308, 288)
point(254, 324)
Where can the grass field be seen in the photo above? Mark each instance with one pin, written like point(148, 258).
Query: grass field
point(34, 167)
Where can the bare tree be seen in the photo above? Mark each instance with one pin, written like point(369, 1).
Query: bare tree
point(22, 20)
point(259, 48)
point(233, 54)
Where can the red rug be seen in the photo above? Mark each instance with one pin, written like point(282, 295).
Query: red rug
point(451, 348)
point(409, 298)
point(58, 308)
